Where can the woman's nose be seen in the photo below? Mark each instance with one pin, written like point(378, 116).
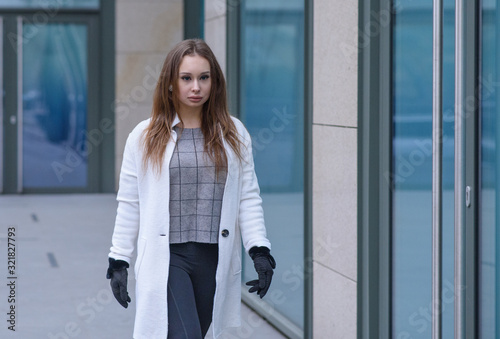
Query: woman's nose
point(196, 86)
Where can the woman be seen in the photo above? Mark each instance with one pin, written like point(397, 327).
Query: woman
point(189, 195)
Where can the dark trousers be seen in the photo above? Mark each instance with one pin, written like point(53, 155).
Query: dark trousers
point(191, 289)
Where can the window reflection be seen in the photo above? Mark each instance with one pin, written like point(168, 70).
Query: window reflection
point(55, 150)
point(52, 4)
point(489, 247)
point(272, 61)
point(411, 177)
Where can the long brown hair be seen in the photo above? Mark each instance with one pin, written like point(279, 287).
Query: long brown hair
point(216, 122)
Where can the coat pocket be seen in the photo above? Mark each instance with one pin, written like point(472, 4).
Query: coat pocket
point(141, 248)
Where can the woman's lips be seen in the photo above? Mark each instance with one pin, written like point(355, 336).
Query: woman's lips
point(195, 99)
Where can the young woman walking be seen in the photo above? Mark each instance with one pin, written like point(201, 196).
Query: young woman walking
point(188, 197)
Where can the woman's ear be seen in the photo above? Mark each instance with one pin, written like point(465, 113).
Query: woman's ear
point(170, 88)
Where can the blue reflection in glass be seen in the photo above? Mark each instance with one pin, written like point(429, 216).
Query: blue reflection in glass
point(489, 247)
point(272, 110)
point(411, 177)
point(55, 153)
point(50, 4)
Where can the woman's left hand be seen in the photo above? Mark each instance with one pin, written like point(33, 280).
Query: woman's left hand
point(264, 264)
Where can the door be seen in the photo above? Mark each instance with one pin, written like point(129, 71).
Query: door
point(406, 300)
point(47, 120)
point(412, 41)
point(452, 311)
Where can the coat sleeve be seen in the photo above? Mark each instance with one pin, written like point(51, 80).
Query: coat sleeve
point(127, 216)
point(251, 214)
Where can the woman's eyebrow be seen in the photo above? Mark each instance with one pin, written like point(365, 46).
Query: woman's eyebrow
point(189, 73)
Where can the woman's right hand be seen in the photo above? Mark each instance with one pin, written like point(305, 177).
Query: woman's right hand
point(117, 272)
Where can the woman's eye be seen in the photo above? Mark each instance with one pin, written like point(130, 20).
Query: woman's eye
point(205, 77)
point(186, 78)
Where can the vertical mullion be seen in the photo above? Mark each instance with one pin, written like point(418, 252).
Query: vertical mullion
point(374, 162)
point(242, 114)
point(94, 159)
point(308, 109)
point(437, 163)
point(471, 118)
point(9, 71)
point(1, 108)
point(495, 76)
point(194, 19)
point(459, 169)
point(19, 104)
point(466, 168)
point(106, 92)
point(233, 58)
point(385, 166)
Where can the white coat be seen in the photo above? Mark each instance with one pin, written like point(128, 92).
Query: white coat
point(143, 216)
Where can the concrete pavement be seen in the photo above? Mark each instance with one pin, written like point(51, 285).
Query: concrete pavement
point(56, 288)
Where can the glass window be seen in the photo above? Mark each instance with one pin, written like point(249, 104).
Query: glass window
point(52, 4)
point(272, 59)
point(411, 177)
point(489, 247)
point(55, 150)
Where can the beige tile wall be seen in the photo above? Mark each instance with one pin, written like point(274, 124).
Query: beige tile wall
point(145, 31)
point(215, 29)
point(335, 63)
point(335, 169)
point(335, 316)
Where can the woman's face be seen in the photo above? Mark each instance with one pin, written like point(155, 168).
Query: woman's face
point(194, 82)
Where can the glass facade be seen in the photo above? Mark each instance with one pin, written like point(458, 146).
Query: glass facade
point(52, 4)
point(409, 301)
point(489, 241)
point(411, 178)
point(54, 106)
point(271, 106)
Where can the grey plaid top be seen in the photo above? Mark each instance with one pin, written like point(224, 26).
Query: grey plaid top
point(195, 191)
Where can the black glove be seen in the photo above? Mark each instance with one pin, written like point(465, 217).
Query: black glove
point(117, 272)
point(264, 264)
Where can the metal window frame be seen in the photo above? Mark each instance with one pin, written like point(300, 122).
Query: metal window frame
point(194, 19)
point(107, 80)
point(374, 166)
point(233, 48)
point(437, 167)
point(459, 193)
point(101, 173)
point(9, 79)
point(93, 95)
point(20, 145)
point(308, 170)
point(471, 103)
point(1, 109)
